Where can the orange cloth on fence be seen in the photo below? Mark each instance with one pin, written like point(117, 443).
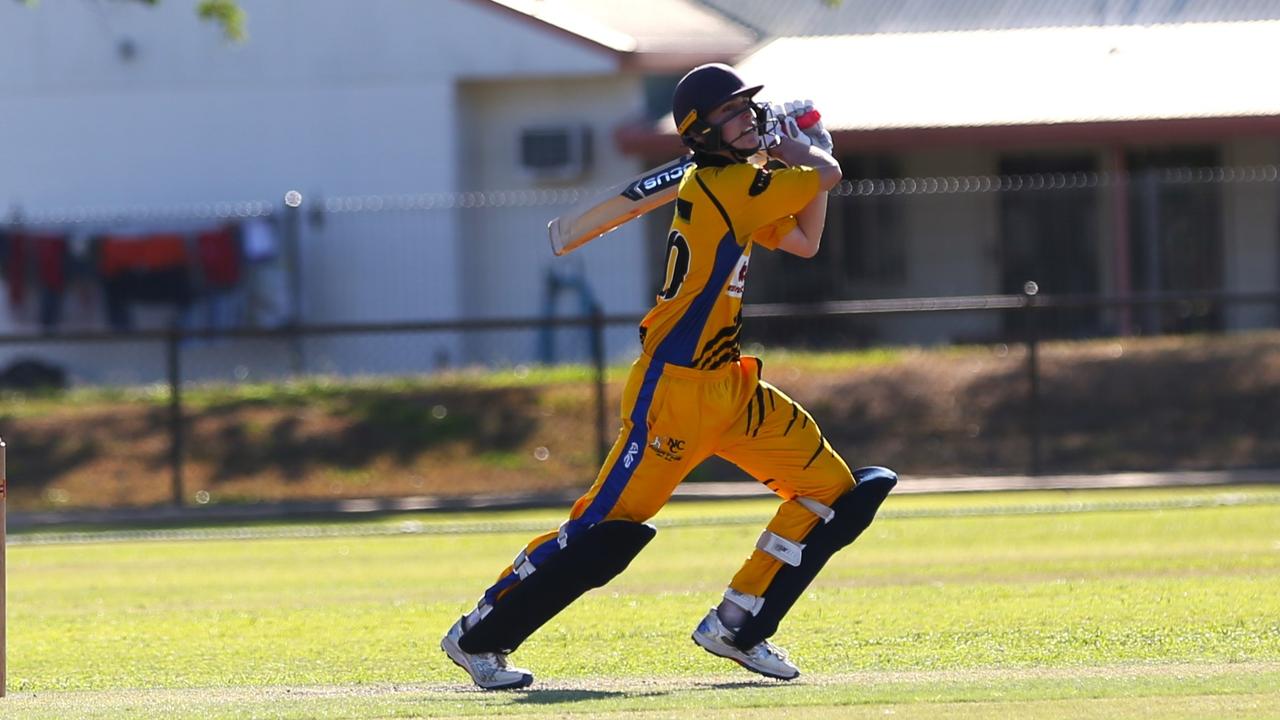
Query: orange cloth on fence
point(148, 253)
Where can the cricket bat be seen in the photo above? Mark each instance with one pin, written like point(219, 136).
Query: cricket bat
point(654, 188)
point(612, 208)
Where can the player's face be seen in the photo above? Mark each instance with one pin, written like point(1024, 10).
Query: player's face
point(737, 123)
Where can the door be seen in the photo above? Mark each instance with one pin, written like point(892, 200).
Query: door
point(1176, 231)
point(1050, 236)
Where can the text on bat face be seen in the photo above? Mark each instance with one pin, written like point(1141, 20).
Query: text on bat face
point(666, 177)
point(657, 181)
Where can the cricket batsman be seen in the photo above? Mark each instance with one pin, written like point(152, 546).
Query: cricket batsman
point(691, 394)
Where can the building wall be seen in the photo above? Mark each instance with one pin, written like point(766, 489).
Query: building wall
point(116, 105)
point(952, 244)
point(326, 94)
point(506, 258)
point(954, 241)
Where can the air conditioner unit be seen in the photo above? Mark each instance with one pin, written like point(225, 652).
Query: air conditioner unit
point(559, 153)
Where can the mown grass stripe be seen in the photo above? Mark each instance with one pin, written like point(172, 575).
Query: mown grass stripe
point(418, 527)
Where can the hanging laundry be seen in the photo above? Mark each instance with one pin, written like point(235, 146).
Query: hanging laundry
point(15, 268)
point(260, 242)
point(148, 253)
point(268, 284)
point(219, 253)
point(51, 273)
point(222, 296)
point(143, 269)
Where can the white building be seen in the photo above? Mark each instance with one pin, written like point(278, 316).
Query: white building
point(150, 115)
point(1151, 108)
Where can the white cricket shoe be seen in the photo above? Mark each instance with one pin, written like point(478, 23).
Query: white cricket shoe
point(488, 670)
point(764, 658)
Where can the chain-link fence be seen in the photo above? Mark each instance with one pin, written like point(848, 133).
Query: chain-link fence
point(252, 351)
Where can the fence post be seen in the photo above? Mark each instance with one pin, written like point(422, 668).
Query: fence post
point(175, 411)
point(4, 570)
point(291, 231)
point(597, 356)
point(1029, 291)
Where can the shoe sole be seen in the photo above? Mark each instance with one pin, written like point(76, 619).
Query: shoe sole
point(697, 641)
point(448, 648)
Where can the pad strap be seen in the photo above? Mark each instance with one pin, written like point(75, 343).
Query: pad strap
point(482, 609)
point(788, 551)
point(592, 559)
point(817, 508)
point(854, 512)
point(750, 603)
point(522, 565)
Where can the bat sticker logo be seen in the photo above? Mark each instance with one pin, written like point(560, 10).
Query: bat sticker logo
point(658, 180)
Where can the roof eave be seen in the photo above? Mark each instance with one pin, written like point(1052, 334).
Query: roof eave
point(617, 55)
point(674, 62)
point(636, 59)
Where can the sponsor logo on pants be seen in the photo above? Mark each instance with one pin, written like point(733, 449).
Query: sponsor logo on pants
point(630, 458)
point(668, 449)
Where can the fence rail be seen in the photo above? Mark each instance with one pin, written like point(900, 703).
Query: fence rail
point(1030, 303)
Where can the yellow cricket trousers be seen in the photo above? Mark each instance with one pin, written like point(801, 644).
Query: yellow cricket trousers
point(675, 417)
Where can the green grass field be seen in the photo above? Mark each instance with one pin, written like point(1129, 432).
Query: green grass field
point(1154, 603)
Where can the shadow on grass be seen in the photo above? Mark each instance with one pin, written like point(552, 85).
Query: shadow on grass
point(557, 697)
point(561, 696)
point(741, 684)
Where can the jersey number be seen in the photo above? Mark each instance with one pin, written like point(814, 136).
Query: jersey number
point(677, 265)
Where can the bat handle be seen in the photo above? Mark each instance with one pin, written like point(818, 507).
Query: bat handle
point(808, 120)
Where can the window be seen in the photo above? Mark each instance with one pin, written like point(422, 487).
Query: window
point(556, 153)
point(1175, 236)
point(867, 236)
point(1050, 236)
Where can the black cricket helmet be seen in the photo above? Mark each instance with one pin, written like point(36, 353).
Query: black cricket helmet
point(702, 90)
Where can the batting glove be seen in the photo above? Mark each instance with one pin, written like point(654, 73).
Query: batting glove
point(809, 121)
point(787, 125)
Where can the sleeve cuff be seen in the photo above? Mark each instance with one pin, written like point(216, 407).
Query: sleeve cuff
point(770, 236)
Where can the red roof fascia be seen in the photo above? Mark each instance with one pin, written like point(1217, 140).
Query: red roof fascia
point(645, 141)
point(1150, 131)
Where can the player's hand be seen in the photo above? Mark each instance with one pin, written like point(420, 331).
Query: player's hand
point(809, 121)
point(786, 124)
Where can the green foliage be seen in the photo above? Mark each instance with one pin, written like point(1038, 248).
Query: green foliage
point(226, 13)
point(936, 612)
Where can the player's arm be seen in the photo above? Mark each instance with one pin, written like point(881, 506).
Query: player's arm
point(806, 237)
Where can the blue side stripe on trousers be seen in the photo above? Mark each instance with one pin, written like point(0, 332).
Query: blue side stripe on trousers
point(610, 490)
point(620, 474)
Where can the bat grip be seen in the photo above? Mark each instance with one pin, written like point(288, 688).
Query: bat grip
point(808, 120)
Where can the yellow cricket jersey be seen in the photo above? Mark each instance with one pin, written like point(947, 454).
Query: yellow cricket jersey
point(721, 211)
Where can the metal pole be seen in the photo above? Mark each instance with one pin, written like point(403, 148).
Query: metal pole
point(1029, 291)
point(597, 355)
point(291, 230)
point(4, 551)
point(175, 413)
